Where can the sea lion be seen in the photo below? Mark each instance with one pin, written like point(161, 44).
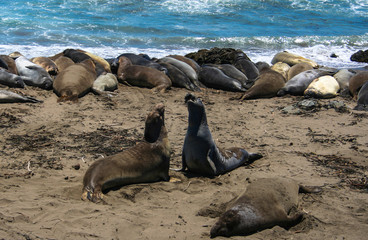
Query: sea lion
point(136, 60)
point(291, 59)
point(36, 75)
point(282, 68)
point(268, 83)
point(105, 82)
point(147, 161)
point(11, 97)
point(298, 68)
point(10, 63)
point(232, 72)
point(322, 87)
point(298, 84)
point(343, 76)
point(188, 61)
point(142, 76)
point(63, 62)
point(356, 82)
point(78, 56)
point(247, 67)
point(265, 203)
point(47, 64)
point(213, 77)
point(362, 104)
point(185, 68)
point(11, 79)
point(75, 81)
point(178, 78)
point(98, 59)
point(200, 154)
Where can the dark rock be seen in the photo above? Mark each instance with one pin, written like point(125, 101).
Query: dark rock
point(360, 56)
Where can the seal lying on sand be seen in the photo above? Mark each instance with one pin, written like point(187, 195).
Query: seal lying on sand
point(322, 87)
point(11, 79)
point(200, 153)
point(147, 161)
point(47, 64)
point(291, 59)
point(266, 202)
point(356, 82)
point(75, 81)
point(11, 97)
point(362, 104)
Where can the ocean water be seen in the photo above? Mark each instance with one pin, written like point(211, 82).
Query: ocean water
point(314, 29)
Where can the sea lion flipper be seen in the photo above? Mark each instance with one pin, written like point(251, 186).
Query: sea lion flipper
point(305, 189)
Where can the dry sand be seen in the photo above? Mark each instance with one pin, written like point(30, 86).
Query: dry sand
point(46, 148)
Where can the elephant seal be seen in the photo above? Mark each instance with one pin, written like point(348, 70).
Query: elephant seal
point(232, 72)
point(247, 67)
point(77, 56)
point(356, 82)
point(63, 62)
point(47, 64)
point(11, 79)
point(298, 68)
point(11, 97)
point(268, 83)
point(105, 82)
point(36, 75)
point(136, 60)
point(98, 59)
point(362, 104)
point(343, 76)
point(177, 77)
point(282, 68)
point(265, 203)
point(322, 87)
point(200, 154)
point(75, 81)
point(213, 77)
point(298, 84)
point(10, 63)
point(148, 161)
point(291, 59)
point(188, 61)
point(142, 76)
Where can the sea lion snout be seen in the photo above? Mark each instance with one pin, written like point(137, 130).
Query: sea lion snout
point(189, 97)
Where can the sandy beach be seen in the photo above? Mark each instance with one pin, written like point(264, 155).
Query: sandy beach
point(46, 148)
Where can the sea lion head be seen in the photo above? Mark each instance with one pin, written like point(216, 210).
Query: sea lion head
point(196, 110)
point(154, 123)
point(226, 225)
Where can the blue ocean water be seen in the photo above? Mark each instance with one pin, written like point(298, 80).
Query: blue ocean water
point(261, 28)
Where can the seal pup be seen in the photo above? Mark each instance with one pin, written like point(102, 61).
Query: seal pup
point(178, 78)
point(298, 68)
point(265, 203)
point(268, 83)
point(282, 68)
point(200, 154)
point(298, 84)
point(322, 87)
point(362, 104)
point(36, 75)
point(147, 161)
point(11, 97)
point(142, 76)
point(291, 59)
point(213, 77)
point(47, 64)
point(356, 82)
point(75, 81)
point(11, 79)
point(105, 82)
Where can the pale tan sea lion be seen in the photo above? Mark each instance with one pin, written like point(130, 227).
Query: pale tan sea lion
point(47, 64)
point(142, 76)
point(322, 87)
point(265, 203)
point(147, 161)
point(105, 82)
point(268, 83)
point(282, 68)
point(98, 59)
point(63, 62)
point(291, 59)
point(298, 68)
point(356, 82)
point(75, 81)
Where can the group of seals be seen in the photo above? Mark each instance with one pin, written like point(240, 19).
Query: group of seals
point(147, 161)
point(265, 203)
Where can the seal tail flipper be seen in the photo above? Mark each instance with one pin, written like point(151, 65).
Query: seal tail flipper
point(31, 99)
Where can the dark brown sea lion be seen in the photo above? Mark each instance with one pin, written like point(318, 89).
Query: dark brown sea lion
point(200, 153)
point(147, 161)
point(247, 67)
point(362, 103)
point(10, 63)
point(298, 68)
point(47, 64)
point(266, 202)
point(142, 76)
point(356, 82)
point(75, 81)
point(268, 83)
